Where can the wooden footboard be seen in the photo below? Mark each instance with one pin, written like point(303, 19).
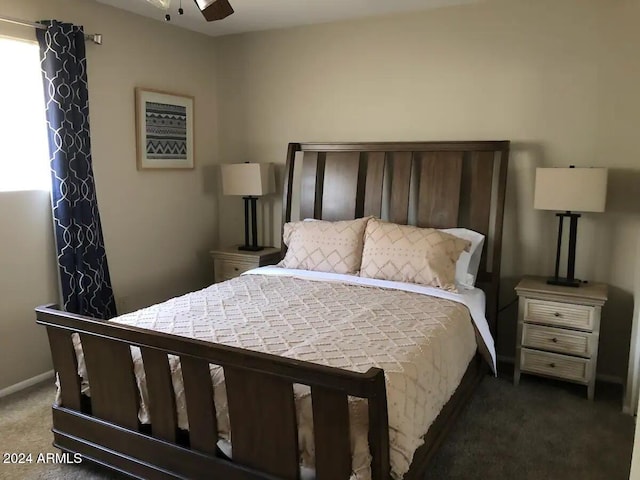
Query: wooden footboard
point(105, 428)
point(260, 397)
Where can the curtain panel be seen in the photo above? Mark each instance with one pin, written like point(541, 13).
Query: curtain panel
point(83, 270)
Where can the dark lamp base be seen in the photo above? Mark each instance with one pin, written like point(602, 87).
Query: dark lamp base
point(250, 248)
point(564, 282)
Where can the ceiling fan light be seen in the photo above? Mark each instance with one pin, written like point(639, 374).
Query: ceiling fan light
point(164, 4)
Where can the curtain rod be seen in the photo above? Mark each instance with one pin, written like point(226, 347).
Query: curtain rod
point(94, 37)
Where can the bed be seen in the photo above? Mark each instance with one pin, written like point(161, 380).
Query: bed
point(436, 184)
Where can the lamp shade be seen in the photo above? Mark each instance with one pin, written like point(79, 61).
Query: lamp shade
point(571, 189)
point(248, 179)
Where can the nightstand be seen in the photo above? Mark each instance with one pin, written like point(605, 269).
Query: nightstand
point(229, 262)
point(558, 331)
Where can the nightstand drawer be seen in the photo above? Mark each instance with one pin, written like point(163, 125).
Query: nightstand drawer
point(561, 314)
point(230, 262)
point(226, 269)
point(557, 340)
point(552, 364)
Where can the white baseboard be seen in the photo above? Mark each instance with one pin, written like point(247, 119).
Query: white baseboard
point(26, 383)
point(601, 377)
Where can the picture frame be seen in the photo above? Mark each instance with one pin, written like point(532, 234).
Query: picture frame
point(164, 130)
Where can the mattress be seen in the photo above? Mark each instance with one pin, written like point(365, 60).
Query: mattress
point(423, 342)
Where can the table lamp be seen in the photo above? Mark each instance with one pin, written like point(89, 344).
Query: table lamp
point(249, 180)
point(569, 190)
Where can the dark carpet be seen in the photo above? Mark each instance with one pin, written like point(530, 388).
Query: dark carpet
point(542, 429)
point(539, 430)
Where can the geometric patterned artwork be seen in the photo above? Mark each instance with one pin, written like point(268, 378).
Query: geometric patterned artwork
point(85, 284)
point(164, 130)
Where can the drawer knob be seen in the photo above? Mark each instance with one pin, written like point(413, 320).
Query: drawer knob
point(557, 314)
point(236, 269)
point(552, 365)
point(554, 340)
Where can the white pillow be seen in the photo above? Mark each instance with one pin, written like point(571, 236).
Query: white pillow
point(469, 262)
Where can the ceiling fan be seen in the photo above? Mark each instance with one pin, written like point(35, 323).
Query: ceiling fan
point(211, 9)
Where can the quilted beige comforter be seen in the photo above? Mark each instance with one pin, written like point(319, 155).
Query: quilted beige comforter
point(424, 344)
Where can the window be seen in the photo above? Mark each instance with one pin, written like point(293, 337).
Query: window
point(24, 150)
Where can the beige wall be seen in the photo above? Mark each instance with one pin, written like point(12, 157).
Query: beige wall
point(556, 77)
point(158, 226)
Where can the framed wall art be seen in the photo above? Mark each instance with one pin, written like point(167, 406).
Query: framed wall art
point(164, 130)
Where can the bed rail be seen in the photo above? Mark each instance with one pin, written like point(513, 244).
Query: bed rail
point(260, 398)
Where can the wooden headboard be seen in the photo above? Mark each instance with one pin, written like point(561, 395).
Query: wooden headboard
point(428, 184)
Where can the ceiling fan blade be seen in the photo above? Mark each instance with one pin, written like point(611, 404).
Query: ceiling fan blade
point(214, 9)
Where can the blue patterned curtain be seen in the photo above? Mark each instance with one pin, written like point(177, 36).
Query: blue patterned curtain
point(84, 275)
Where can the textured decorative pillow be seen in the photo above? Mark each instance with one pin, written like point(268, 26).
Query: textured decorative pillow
point(323, 246)
point(410, 254)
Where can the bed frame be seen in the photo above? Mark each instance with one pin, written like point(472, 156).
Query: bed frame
point(441, 184)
